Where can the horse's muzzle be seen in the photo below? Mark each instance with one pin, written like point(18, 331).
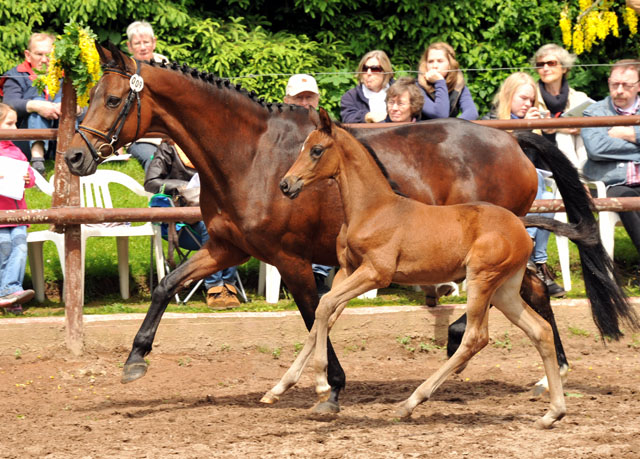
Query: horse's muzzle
point(291, 186)
point(80, 163)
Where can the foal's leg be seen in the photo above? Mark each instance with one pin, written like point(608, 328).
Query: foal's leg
point(292, 376)
point(508, 300)
point(209, 259)
point(363, 279)
point(476, 336)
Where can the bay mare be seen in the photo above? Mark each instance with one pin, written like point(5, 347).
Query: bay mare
point(485, 244)
point(242, 147)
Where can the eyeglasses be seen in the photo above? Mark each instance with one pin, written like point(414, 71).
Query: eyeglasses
point(627, 86)
point(551, 63)
point(400, 105)
point(373, 68)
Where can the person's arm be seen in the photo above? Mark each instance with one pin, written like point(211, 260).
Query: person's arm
point(601, 146)
point(13, 96)
point(349, 111)
point(468, 108)
point(438, 108)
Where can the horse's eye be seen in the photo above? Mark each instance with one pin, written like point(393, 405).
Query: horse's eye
point(113, 101)
point(316, 151)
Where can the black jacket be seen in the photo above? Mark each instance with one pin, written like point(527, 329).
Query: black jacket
point(167, 173)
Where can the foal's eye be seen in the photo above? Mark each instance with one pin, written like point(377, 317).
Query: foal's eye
point(113, 101)
point(316, 151)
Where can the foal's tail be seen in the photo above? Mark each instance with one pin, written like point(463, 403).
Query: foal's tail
point(609, 304)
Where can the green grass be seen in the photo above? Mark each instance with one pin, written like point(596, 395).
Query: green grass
point(101, 273)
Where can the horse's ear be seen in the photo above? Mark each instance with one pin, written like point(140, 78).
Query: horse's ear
point(120, 59)
point(325, 121)
point(104, 53)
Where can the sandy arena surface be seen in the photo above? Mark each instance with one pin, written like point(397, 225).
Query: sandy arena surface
point(200, 397)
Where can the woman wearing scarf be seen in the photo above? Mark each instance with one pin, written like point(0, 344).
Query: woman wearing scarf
point(554, 95)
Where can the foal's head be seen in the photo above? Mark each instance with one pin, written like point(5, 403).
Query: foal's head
point(318, 157)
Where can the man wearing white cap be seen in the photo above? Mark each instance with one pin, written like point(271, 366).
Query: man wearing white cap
point(302, 90)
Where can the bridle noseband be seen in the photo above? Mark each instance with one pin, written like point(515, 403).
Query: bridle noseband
point(136, 84)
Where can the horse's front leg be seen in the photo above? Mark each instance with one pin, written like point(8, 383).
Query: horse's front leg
point(297, 275)
point(332, 304)
point(209, 259)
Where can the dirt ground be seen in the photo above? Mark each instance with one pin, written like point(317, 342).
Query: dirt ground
point(207, 373)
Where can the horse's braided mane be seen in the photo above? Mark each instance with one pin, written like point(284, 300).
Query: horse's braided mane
point(221, 83)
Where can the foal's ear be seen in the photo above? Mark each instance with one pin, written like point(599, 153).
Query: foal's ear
point(120, 59)
point(325, 121)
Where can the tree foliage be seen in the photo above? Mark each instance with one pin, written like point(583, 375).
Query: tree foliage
point(258, 43)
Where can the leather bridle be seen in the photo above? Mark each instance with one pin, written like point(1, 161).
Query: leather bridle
point(136, 84)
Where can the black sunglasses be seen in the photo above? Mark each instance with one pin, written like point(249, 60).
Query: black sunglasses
point(552, 63)
point(373, 68)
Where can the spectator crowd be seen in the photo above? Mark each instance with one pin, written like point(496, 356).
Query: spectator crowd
point(610, 155)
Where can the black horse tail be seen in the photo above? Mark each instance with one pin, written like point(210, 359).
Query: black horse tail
point(609, 303)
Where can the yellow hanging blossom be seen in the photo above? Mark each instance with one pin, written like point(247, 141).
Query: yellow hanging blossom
point(74, 55)
point(595, 20)
point(565, 26)
point(630, 18)
point(578, 40)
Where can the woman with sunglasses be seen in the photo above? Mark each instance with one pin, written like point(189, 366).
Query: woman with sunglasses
point(366, 102)
point(552, 62)
point(445, 92)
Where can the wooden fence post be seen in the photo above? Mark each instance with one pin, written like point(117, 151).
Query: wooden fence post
point(67, 194)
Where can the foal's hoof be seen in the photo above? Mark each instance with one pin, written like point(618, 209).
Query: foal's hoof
point(402, 412)
point(133, 371)
point(269, 398)
point(430, 301)
point(327, 407)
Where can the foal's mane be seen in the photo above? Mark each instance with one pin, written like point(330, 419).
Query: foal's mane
point(394, 186)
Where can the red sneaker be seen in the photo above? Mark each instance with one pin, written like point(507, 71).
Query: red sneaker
point(21, 297)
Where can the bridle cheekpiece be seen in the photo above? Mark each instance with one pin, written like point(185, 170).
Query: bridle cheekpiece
point(136, 84)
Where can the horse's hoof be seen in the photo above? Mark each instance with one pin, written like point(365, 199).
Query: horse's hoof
point(326, 407)
point(269, 398)
point(402, 412)
point(430, 301)
point(133, 371)
point(544, 424)
point(539, 389)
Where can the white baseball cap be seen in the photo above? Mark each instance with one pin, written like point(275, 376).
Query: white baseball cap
point(301, 82)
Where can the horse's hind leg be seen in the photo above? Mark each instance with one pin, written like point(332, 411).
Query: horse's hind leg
point(201, 264)
point(509, 301)
point(476, 336)
point(534, 292)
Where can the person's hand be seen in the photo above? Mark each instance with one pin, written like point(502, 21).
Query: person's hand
point(433, 75)
point(572, 131)
point(46, 109)
point(534, 114)
point(623, 132)
point(26, 178)
point(375, 117)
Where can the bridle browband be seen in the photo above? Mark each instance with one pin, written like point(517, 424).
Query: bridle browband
point(135, 86)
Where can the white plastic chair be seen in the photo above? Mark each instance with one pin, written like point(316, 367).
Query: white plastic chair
point(562, 243)
point(269, 284)
point(607, 221)
point(94, 192)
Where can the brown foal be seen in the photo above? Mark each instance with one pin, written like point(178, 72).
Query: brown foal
point(389, 238)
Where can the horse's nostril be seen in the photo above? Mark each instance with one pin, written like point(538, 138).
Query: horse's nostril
point(284, 186)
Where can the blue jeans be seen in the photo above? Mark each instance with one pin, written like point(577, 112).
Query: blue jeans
point(143, 152)
point(13, 258)
point(540, 236)
point(225, 276)
point(36, 121)
point(321, 269)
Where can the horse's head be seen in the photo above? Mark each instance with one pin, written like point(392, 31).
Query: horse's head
point(315, 161)
point(113, 117)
